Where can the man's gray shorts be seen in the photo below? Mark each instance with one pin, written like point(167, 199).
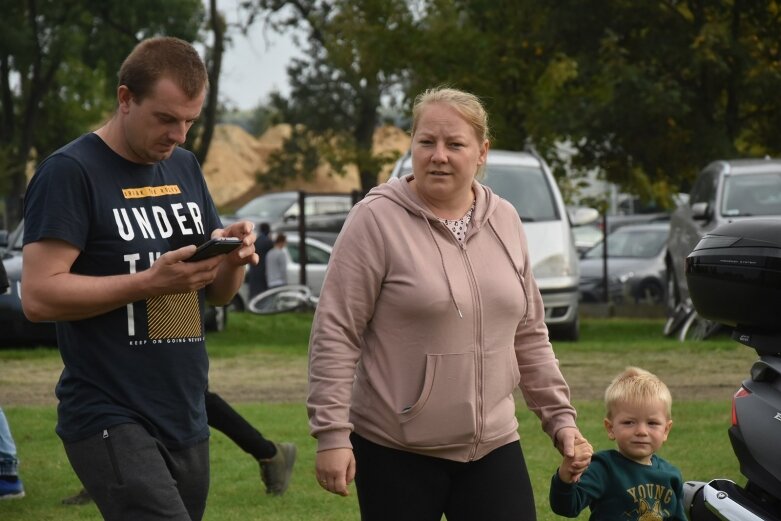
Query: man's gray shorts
point(131, 476)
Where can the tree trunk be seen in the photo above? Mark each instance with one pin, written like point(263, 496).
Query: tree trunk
point(217, 23)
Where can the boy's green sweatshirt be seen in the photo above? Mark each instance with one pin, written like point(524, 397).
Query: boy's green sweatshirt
point(617, 488)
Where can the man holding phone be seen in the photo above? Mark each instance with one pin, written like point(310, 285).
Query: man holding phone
point(109, 220)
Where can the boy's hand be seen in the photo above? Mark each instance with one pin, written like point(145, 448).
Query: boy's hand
point(572, 467)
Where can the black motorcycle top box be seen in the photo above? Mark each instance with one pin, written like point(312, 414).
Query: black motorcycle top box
point(734, 275)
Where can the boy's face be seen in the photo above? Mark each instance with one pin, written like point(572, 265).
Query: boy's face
point(639, 430)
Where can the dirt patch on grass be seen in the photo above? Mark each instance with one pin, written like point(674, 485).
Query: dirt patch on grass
point(262, 377)
point(253, 378)
point(690, 376)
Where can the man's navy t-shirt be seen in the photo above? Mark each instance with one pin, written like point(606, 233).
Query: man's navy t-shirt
point(144, 362)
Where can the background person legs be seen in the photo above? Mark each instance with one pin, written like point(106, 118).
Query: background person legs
point(11, 486)
point(276, 459)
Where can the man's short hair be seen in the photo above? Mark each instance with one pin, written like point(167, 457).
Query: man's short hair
point(159, 57)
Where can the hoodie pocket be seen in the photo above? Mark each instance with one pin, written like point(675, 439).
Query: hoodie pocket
point(444, 413)
point(501, 378)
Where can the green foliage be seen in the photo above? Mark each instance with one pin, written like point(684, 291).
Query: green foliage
point(255, 121)
point(58, 64)
point(647, 93)
point(355, 55)
point(664, 88)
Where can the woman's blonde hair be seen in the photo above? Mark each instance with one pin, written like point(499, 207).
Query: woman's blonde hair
point(468, 106)
point(637, 386)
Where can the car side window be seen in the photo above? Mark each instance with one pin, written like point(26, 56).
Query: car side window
point(704, 189)
point(314, 255)
point(3, 278)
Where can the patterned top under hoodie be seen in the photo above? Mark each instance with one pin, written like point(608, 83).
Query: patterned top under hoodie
point(419, 339)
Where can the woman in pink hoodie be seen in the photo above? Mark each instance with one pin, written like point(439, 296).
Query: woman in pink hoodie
point(428, 319)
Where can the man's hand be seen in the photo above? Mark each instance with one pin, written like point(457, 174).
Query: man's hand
point(335, 469)
point(245, 254)
point(170, 274)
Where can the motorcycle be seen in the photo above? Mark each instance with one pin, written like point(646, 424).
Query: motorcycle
point(734, 277)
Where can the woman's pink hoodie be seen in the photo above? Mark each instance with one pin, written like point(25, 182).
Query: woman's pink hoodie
point(418, 341)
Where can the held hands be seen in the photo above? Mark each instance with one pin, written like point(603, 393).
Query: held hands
point(573, 467)
point(335, 469)
point(577, 452)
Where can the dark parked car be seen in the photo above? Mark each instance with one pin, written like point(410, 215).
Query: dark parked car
point(16, 329)
point(724, 191)
point(324, 212)
point(635, 265)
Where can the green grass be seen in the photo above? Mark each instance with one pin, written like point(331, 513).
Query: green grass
point(699, 431)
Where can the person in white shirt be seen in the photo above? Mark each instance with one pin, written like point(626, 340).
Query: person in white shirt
point(276, 262)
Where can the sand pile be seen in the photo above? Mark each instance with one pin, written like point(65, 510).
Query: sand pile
point(236, 158)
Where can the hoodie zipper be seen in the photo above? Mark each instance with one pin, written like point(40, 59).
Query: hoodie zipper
point(478, 340)
point(478, 319)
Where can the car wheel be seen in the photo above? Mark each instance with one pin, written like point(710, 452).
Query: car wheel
point(649, 292)
point(673, 296)
point(218, 320)
point(568, 332)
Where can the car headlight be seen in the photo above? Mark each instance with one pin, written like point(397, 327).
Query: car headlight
point(553, 266)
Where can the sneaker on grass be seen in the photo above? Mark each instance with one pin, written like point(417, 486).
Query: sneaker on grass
point(275, 472)
point(11, 489)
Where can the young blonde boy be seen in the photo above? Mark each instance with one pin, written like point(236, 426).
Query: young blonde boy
point(630, 482)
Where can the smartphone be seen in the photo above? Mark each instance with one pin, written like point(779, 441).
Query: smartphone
point(213, 247)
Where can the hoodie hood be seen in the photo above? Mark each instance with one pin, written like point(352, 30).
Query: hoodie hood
point(401, 192)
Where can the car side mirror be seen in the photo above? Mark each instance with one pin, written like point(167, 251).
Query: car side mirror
point(583, 215)
point(701, 211)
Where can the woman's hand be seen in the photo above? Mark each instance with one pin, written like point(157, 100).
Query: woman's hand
point(335, 469)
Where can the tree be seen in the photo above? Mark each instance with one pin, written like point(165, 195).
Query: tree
point(58, 63)
point(200, 137)
point(356, 55)
point(646, 92)
point(659, 89)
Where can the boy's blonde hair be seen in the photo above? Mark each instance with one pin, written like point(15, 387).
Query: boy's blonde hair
point(637, 386)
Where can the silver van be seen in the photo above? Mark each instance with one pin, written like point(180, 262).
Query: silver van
point(525, 180)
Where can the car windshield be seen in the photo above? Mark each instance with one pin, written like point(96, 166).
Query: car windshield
point(631, 243)
point(270, 207)
point(753, 194)
point(524, 187)
point(16, 238)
